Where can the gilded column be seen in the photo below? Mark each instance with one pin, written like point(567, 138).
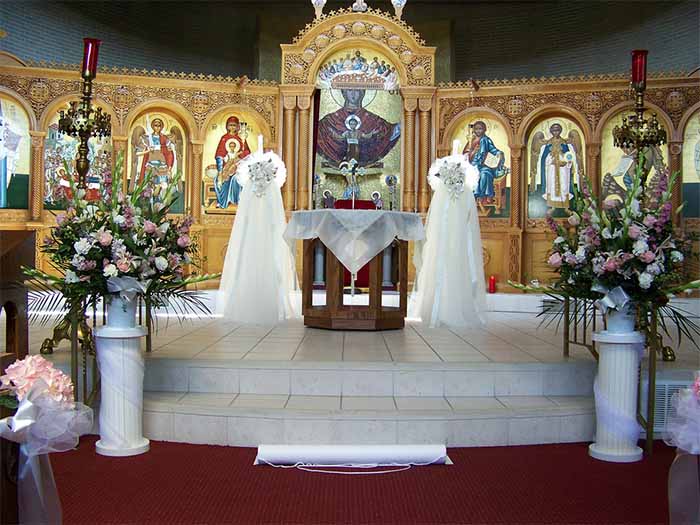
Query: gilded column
point(517, 204)
point(36, 202)
point(409, 139)
point(675, 149)
point(424, 107)
point(195, 191)
point(289, 132)
point(119, 146)
point(304, 173)
point(592, 168)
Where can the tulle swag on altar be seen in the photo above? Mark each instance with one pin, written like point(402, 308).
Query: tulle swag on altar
point(258, 273)
point(450, 285)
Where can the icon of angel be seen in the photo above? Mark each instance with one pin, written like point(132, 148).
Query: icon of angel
point(556, 164)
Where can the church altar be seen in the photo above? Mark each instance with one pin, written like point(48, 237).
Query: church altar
point(353, 238)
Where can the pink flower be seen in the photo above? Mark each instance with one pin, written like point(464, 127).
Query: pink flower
point(626, 257)
point(649, 221)
point(183, 241)
point(555, 260)
point(634, 231)
point(611, 264)
point(574, 220)
point(647, 257)
point(609, 204)
point(105, 238)
point(696, 386)
point(149, 227)
point(61, 218)
point(21, 375)
point(570, 259)
point(123, 265)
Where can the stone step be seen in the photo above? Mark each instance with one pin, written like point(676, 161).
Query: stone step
point(249, 420)
point(571, 378)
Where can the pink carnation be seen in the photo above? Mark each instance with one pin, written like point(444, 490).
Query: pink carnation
point(105, 238)
point(183, 241)
point(611, 264)
point(555, 260)
point(634, 231)
point(647, 257)
point(149, 227)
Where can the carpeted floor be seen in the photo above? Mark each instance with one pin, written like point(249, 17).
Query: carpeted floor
point(178, 483)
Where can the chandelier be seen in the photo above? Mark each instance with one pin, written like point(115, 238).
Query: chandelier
point(81, 120)
point(636, 131)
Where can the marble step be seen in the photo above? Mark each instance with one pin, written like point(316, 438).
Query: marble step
point(248, 420)
point(570, 378)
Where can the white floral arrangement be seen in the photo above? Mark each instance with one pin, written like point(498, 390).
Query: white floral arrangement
point(259, 171)
point(455, 173)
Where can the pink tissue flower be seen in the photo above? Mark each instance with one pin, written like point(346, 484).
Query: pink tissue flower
point(61, 219)
point(149, 227)
point(611, 264)
point(555, 260)
point(124, 265)
point(183, 241)
point(647, 257)
point(649, 221)
point(634, 231)
point(21, 375)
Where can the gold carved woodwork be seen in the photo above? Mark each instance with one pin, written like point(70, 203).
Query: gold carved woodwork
point(414, 61)
point(423, 159)
point(304, 152)
point(408, 176)
point(36, 186)
point(195, 188)
point(675, 162)
point(288, 153)
point(516, 184)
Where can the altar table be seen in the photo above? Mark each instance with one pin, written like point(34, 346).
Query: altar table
point(353, 238)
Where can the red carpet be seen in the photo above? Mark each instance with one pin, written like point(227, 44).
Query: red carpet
point(177, 483)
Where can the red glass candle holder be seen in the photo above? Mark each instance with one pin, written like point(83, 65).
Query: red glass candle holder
point(639, 67)
point(90, 50)
point(492, 284)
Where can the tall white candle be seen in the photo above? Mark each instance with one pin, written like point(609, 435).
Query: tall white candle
point(455, 147)
point(260, 143)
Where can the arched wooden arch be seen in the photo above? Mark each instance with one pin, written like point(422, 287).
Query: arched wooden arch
point(446, 145)
point(375, 29)
point(26, 106)
point(60, 102)
point(552, 111)
point(233, 108)
point(629, 105)
point(679, 134)
point(177, 110)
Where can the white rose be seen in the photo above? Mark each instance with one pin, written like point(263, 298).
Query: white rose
point(71, 277)
point(82, 246)
point(639, 247)
point(645, 280)
point(676, 256)
point(559, 240)
point(581, 254)
point(110, 271)
point(118, 219)
point(606, 233)
point(77, 259)
point(161, 263)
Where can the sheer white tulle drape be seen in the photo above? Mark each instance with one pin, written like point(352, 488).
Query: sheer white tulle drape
point(258, 273)
point(450, 286)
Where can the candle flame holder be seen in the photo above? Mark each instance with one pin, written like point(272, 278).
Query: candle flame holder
point(83, 121)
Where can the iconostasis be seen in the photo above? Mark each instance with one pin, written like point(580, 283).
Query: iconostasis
point(357, 114)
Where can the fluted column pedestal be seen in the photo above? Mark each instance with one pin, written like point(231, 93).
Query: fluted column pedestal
point(617, 430)
point(408, 180)
point(288, 152)
point(36, 201)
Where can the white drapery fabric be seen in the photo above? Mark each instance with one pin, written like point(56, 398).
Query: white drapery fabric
point(450, 286)
point(258, 273)
point(355, 236)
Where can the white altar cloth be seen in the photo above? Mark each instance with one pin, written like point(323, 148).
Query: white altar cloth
point(355, 236)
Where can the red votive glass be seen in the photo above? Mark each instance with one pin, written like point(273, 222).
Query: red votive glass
point(90, 50)
point(639, 66)
point(492, 284)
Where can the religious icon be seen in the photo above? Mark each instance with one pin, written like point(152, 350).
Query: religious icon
point(619, 165)
point(359, 125)
point(555, 165)
point(158, 147)
point(60, 151)
point(232, 148)
point(14, 128)
point(485, 146)
point(691, 167)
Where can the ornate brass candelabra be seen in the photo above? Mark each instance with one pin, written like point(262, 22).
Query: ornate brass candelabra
point(82, 120)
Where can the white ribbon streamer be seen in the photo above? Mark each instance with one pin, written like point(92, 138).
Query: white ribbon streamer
point(127, 287)
point(615, 299)
point(41, 426)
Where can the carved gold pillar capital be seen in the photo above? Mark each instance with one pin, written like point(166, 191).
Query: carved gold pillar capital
point(675, 150)
point(410, 104)
point(289, 107)
point(592, 168)
point(194, 188)
point(36, 201)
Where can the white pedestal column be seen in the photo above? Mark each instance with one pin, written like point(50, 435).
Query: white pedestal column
point(617, 430)
point(121, 405)
point(319, 265)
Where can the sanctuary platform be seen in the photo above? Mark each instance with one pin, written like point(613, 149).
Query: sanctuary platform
point(208, 381)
